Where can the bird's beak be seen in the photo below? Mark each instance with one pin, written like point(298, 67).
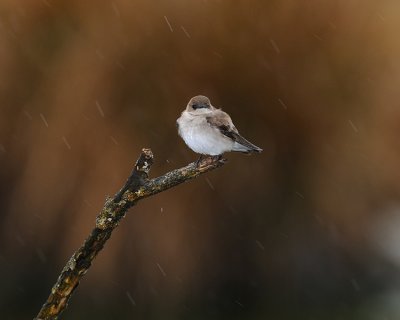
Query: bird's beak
point(200, 106)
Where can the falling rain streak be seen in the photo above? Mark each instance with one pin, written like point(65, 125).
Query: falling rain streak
point(130, 298)
point(161, 270)
point(275, 46)
point(282, 103)
point(353, 126)
point(210, 184)
point(116, 10)
point(41, 255)
point(44, 120)
point(185, 32)
point(66, 142)
point(260, 245)
point(100, 109)
point(27, 114)
point(169, 25)
point(114, 140)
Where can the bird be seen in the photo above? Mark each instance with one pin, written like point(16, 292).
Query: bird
point(209, 131)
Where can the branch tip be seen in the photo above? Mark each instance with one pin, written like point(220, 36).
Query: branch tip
point(143, 164)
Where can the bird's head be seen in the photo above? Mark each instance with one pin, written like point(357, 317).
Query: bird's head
point(199, 104)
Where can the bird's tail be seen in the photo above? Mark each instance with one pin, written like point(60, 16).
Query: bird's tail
point(243, 145)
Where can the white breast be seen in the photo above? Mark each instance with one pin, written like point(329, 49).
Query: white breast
point(201, 137)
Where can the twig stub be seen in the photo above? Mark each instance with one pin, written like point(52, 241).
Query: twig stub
point(139, 174)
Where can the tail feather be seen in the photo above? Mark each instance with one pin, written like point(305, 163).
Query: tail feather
point(243, 145)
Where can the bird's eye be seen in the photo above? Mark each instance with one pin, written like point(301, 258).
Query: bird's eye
point(195, 106)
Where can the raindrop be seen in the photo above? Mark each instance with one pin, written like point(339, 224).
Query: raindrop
point(185, 32)
point(317, 37)
point(38, 217)
point(299, 195)
point(99, 108)
point(380, 16)
point(115, 283)
point(209, 184)
point(217, 54)
point(275, 46)
point(232, 209)
point(116, 10)
point(114, 140)
point(130, 298)
point(27, 114)
point(260, 245)
point(332, 25)
point(161, 270)
point(119, 65)
point(87, 203)
point(99, 54)
point(355, 284)
point(20, 240)
point(66, 142)
point(353, 126)
point(282, 103)
point(239, 303)
point(44, 120)
point(169, 25)
point(46, 3)
point(41, 255)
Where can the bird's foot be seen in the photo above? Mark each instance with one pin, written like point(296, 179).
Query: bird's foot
point(199, 160)
point(207, 160)
point(219, 158)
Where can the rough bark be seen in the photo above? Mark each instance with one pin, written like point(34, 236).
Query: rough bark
point(137, 187)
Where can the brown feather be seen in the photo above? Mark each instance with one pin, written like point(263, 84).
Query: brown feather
point(223, 123)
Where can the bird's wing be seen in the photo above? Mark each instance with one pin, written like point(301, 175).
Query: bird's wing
point(222, 121)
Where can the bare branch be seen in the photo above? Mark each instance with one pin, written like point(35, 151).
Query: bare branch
point(137, 187)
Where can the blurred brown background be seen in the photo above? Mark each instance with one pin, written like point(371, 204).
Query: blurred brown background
point(309, 229)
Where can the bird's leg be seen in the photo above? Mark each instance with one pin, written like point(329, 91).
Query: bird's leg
point(208, 159)
point(217, 158)
point(198, 161)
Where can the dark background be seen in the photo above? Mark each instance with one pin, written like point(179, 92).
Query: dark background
point(309, 229)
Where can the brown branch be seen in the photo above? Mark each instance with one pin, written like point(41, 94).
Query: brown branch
point(137, 187)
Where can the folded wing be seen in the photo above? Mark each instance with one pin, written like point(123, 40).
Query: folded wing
point(222, 121)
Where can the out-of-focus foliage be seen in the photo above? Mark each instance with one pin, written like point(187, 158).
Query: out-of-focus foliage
point(306, 230)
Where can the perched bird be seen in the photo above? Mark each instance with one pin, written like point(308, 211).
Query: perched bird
point(210, 131)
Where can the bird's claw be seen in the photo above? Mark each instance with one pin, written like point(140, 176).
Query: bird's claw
point(199, 160)
point(207, 160)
